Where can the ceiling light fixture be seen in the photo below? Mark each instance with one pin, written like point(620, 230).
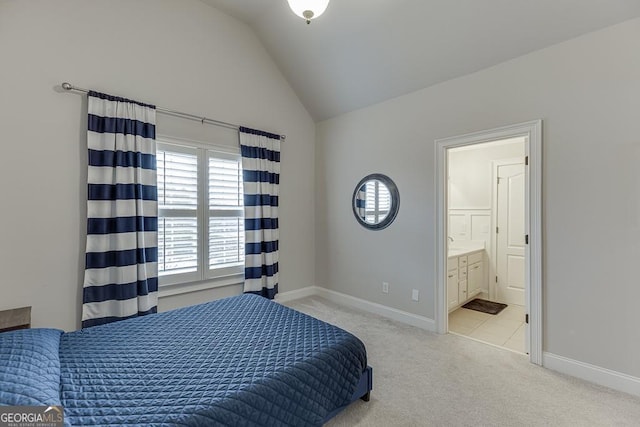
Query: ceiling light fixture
point(308, 9)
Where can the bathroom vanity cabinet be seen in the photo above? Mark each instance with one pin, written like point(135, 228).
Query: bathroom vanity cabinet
point(465, 277)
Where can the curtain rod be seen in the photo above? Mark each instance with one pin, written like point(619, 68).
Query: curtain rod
point(69, 87)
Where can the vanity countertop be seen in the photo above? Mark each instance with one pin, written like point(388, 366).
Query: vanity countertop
point(458, 250)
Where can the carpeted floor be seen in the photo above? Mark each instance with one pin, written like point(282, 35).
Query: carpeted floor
point(426, 379)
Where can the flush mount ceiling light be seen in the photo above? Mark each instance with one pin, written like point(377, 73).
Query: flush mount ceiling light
point(308, 9)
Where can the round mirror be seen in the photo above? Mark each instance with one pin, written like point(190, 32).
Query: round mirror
point(376, 201)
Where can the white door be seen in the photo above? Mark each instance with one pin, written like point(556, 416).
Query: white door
point(510, 238)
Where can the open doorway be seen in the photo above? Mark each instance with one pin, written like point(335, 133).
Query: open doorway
point(485, 242)
point(488, 245)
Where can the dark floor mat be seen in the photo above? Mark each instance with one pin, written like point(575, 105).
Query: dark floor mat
point(485, 306)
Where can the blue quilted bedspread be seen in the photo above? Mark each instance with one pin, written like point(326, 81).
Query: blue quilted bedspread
point(241, 361)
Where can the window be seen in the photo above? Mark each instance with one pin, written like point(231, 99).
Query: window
point(200, 213)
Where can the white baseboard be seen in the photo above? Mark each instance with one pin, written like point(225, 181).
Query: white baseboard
point(382, 310)
point(371, 307)
point(296, 294)
point(595, 374)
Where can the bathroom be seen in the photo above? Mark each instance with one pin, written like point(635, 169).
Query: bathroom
point(486, 240)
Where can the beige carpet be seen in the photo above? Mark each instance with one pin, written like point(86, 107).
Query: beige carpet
point(425, 379)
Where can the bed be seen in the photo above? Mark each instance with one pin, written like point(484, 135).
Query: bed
point(240, 361)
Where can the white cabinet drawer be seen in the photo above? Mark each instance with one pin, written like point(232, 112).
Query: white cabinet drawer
point(474, 266)
point(475, 257)
point(462, 273)
point(452, 263)
point(462, 261)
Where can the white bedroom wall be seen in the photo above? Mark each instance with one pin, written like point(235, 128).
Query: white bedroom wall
point(587, 92)
point(182, 55)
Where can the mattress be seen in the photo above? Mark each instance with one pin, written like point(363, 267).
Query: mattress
point(240, 361)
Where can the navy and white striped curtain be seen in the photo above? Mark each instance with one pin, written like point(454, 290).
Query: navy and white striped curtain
point(121, 275)
point(261, 176)
point(361, 201)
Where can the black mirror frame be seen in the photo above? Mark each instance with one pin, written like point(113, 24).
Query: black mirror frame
point(393, 209)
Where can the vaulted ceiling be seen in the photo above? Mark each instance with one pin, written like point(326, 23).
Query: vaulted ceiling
point(361, 52)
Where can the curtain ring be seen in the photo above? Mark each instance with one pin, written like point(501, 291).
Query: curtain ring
point(203, 119)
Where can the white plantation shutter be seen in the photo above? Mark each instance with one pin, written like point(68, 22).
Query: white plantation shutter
point(177, 211)
point(225, 182)
point(200, 220)
point(226, 222)
point(226, 242)
point(178, 180)
point(384, 201)
point(370, 209)
point(378, 202)
point(178, 243)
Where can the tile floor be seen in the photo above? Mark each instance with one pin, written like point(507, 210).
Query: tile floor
point(505, 329)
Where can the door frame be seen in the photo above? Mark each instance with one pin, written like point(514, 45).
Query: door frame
point(532, 131)
point(493, 287)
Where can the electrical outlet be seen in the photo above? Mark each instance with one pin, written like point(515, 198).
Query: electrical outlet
point(385, 287)
point(415, 294)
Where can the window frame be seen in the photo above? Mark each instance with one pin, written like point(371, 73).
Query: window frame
point(204, 274)
point(394, 200)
